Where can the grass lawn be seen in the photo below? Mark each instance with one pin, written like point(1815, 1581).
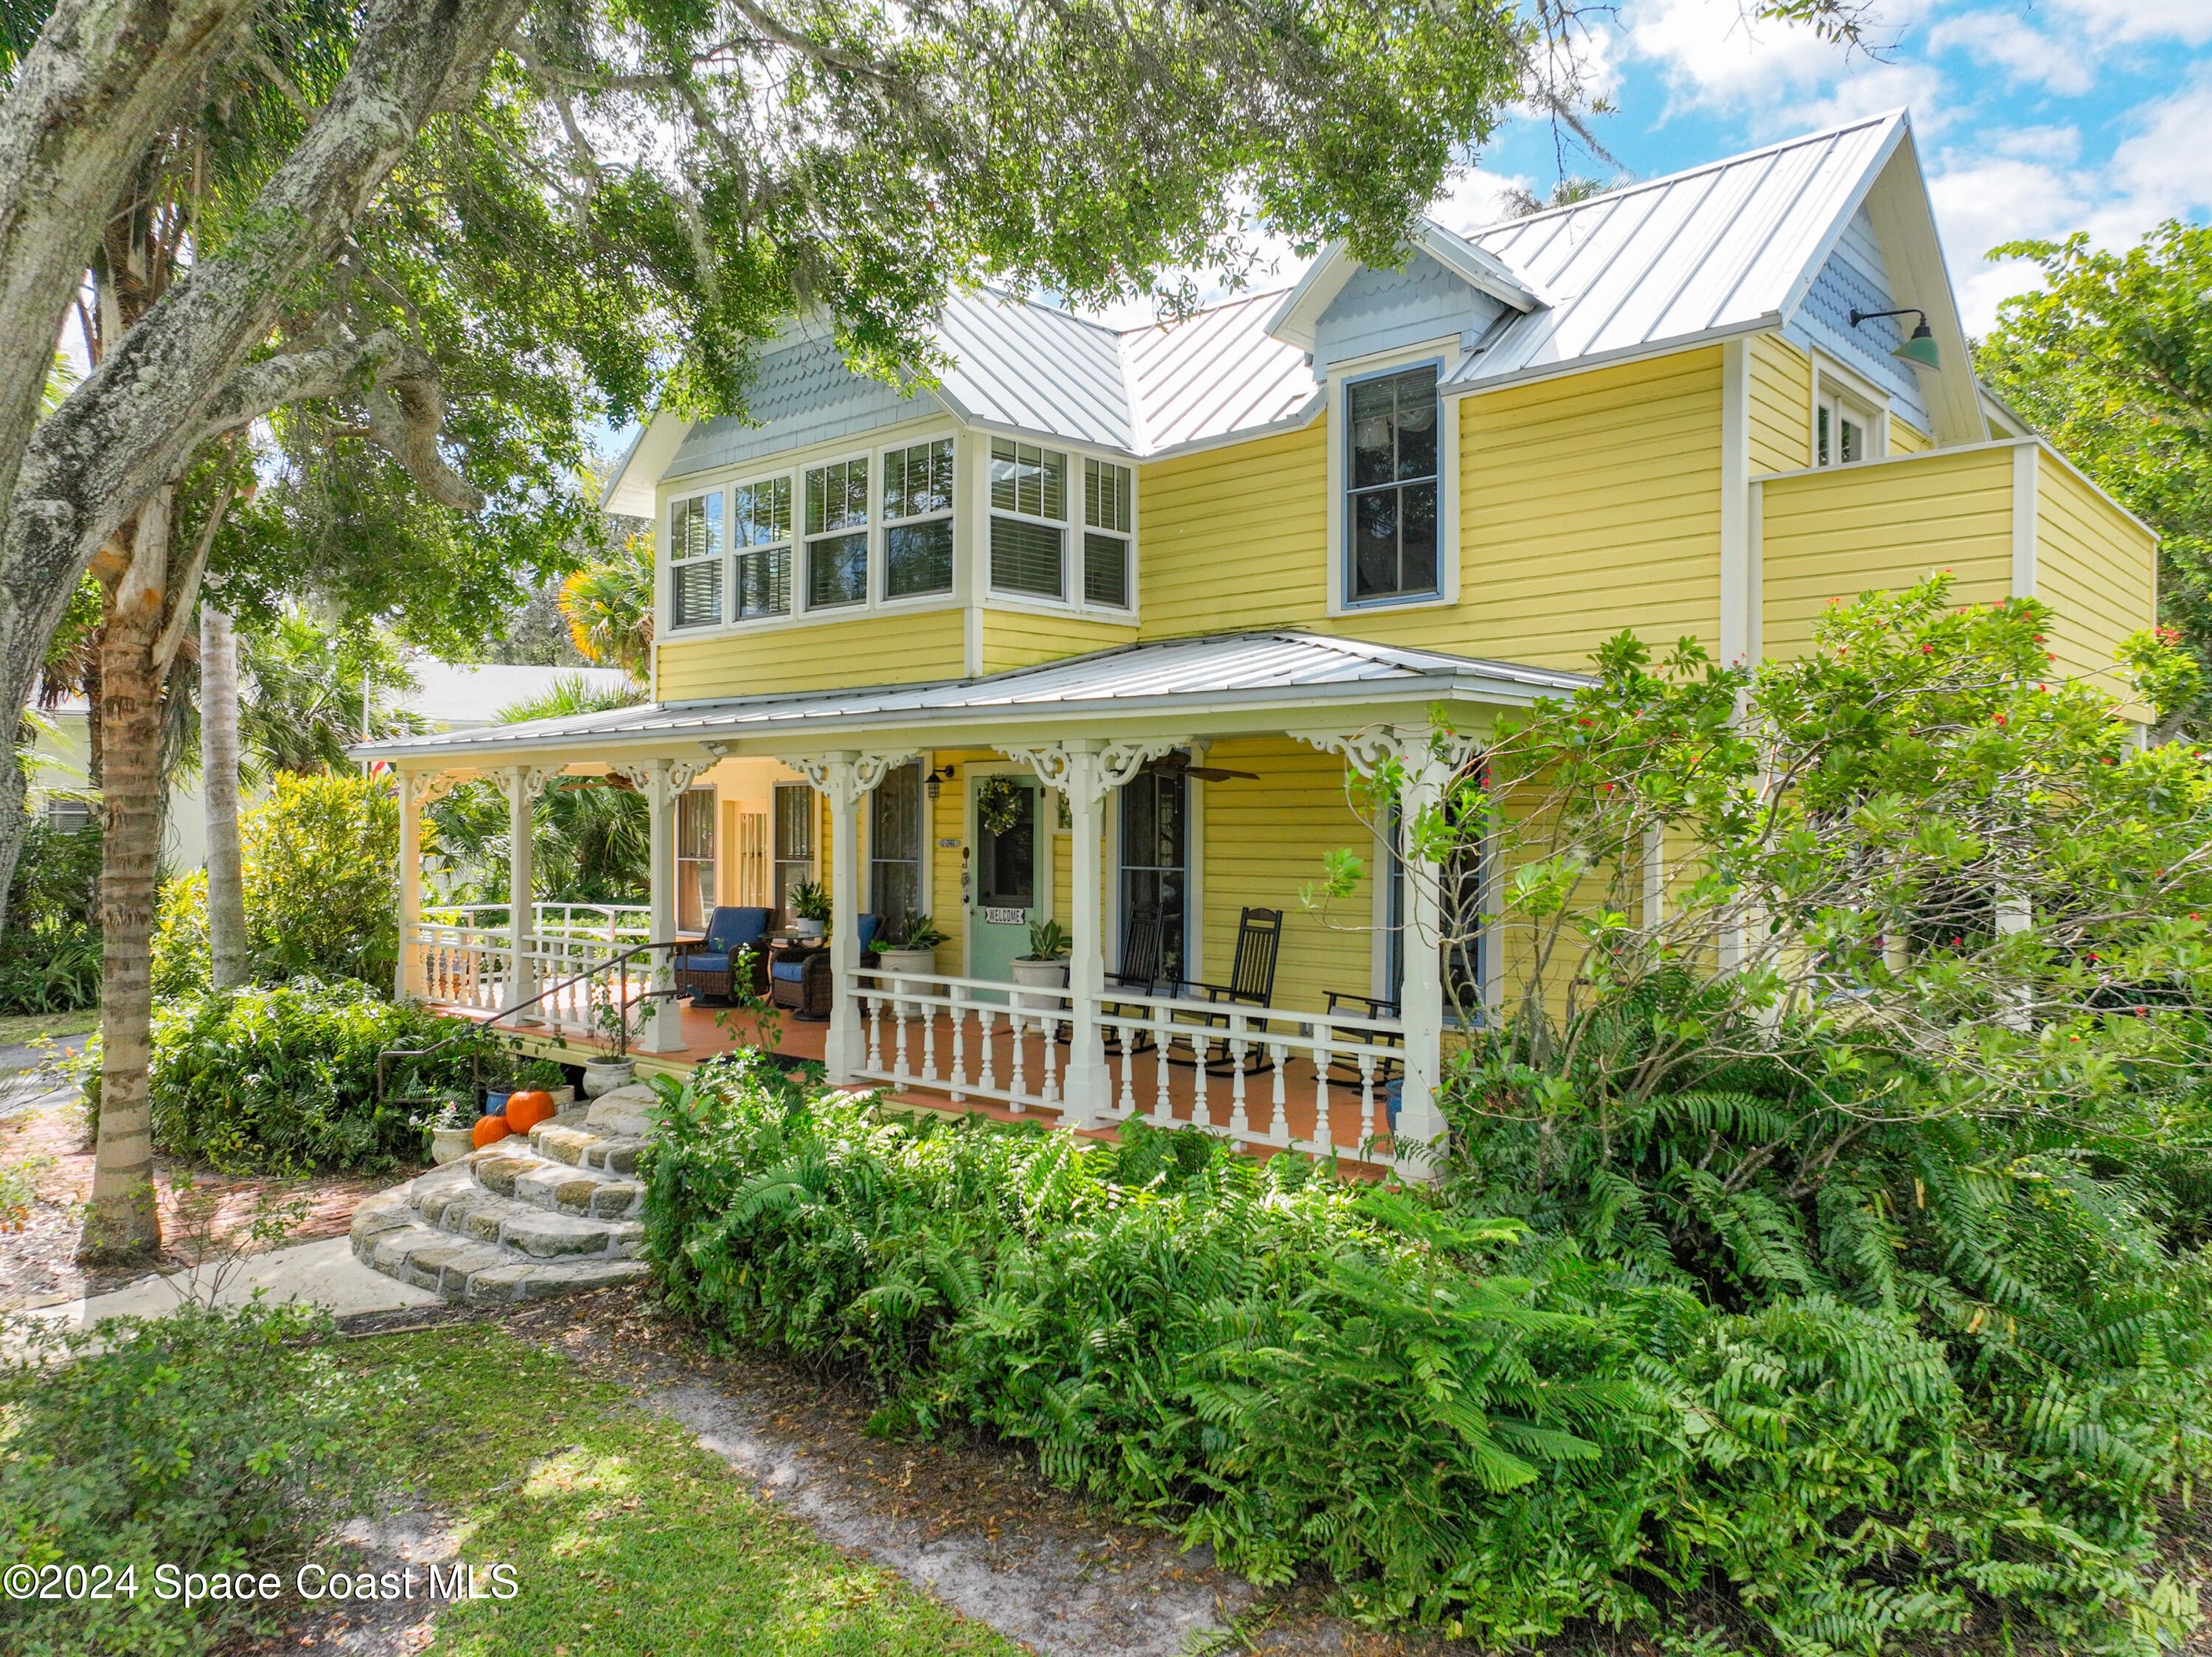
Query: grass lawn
point(20, 1029)
point(625, 1536)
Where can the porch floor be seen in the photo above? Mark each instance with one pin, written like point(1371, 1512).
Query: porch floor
point(704, 1036)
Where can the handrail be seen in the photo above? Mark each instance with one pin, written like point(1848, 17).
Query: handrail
point(480, 1027)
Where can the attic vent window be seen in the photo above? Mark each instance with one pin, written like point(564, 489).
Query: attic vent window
point(1392, 482)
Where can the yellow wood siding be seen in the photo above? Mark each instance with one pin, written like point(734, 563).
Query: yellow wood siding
point(1022, 638)
point(1781, 404)
point(1904, 438)
point(878, 649)
point(2095, 567)
point(1833, 535)
point(1587, 504)
point(1265, 840)
point(1236, 537)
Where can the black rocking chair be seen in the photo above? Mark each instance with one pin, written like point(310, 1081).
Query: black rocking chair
point(1251, 983)
point(1388, 1047)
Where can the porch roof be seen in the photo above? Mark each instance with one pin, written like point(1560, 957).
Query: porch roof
point(1248, 674)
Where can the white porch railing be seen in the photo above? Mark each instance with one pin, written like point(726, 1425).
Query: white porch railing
point(1262, 1076)
point(464, 956)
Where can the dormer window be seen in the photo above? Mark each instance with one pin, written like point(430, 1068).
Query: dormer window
point(695, 561)
point(1393, 481)
point(837, 534)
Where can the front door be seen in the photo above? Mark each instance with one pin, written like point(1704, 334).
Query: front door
point(1002, 887)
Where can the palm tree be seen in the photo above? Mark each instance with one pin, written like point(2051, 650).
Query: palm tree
point(226, 863)
point(609, 606)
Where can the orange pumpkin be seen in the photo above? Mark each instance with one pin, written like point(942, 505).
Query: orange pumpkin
point(526, 1110)
point(489, 1130)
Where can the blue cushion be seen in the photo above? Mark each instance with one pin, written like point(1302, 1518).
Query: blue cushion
point(733, 928)
point(869, 925)
point(699, 962)
point(789, 972)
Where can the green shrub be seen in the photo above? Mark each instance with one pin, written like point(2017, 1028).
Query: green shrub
point(320, 856)
point(1498, 1423)
point(209, 1440)
point(285, 1077)
point(49, 954)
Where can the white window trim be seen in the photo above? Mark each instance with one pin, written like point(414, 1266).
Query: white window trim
point(879, 574)
point(1443, 352)
point(1831, 378)
point(667, 564)
point(1072, 527)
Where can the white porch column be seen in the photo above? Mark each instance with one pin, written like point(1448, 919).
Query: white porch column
point(661, 782)
point(1425, 759)
point(520, 784)
point(846, 777)
point(410, 871)
point(1088, 769)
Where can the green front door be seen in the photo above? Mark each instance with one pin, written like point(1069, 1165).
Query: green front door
point(1002, 896)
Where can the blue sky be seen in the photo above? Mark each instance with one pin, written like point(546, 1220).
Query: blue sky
point(2032, 120)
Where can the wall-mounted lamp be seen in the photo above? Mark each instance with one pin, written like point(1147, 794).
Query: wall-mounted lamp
point(1920, 348)
point(935, 781)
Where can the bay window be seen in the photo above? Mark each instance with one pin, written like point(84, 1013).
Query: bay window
point(1029, 506)
point(695, 561)
point(837, 534)
point(918, 516)
point(760, 530)
point(1106, 521)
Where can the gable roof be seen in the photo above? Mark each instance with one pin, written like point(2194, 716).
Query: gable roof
point(1727, 248)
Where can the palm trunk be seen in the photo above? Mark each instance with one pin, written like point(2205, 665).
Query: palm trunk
point(226, 879)
point(123, 1218)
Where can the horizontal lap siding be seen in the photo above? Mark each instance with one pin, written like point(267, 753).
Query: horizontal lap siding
point(2095, 568)
point(1589, 505)
point(1904, 437)
point(1265, 840)
point(1017, 638)
point(1781, 404)
point(1830, 536)
point(1236, 537)
point(832, 655)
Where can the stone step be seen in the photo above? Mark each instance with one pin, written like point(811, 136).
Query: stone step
point(482, 1216)
point(558, 1187)
point(389, 1237)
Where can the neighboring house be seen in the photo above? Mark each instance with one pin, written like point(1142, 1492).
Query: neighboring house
point(966, 650)
point(449, 697)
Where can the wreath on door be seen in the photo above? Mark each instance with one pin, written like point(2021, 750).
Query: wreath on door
point(999, 802)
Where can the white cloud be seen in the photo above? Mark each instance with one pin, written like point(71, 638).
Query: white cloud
point(1983, 201)
point(2163, 167)
point(2028, 54)
point(2189, 21)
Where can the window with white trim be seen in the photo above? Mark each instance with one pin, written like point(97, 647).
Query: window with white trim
point(760, 533)
point(918, 518)
point(837, 534)
point(1393, 486)
point(1106, 519)
point(695, 561)
point(1028, 510)
point(1845, 430)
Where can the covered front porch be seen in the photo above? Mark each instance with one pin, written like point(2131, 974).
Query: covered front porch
point(1166, 804)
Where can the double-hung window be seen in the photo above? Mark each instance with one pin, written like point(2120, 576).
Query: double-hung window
point(694, 561)
point(1028, 510)
point(760, 530)
point(837, 534)
point(918, 520)
point(1106, 520)
point(1392, 486)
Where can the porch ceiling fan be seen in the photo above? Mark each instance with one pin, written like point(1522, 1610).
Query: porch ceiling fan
point(1178, 765)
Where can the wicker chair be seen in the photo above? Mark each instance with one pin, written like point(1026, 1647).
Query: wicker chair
point(801, 980)
point(703, 969)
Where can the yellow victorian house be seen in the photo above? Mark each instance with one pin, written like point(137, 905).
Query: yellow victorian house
point(1090, 631)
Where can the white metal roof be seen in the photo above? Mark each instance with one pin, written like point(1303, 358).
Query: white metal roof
point(1035, 368)
point(1217, 372)
point(1173, 675)
point(1719, 247)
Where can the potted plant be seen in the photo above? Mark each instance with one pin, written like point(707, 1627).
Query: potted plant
point(1044, 967)
point(912, 948)
point(451, 1131)
point(810, 909)
point(618, 1022)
